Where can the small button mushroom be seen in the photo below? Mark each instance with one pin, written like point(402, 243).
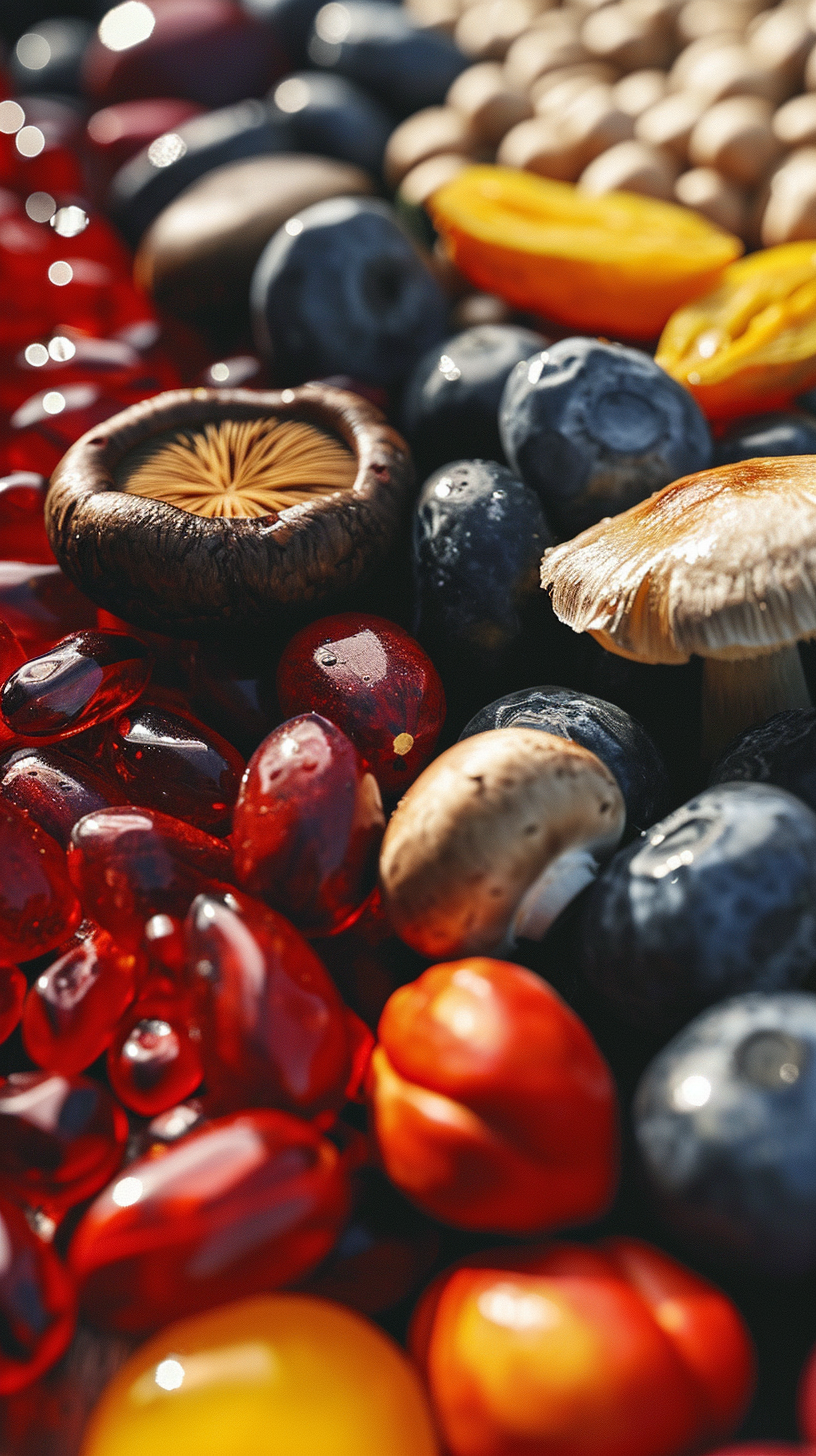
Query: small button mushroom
point(781, 40)
point(790, 212)
point(494, 838)
point(487, 30)
point(539, 145)
point(629, 35)
point(706, 191)
point(670, 122)
point(794, 124)
point(636, 92)
point(593, 123)
point(630, 167)
point(487, 104)
point(427, 133)
point(539, 51)
point(736, 137)
point(733, 69)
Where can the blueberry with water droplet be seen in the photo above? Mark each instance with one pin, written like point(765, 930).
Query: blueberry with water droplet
point(780, 751)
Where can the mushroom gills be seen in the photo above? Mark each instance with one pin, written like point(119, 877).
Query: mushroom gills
point(550, 893)
point(239, 469)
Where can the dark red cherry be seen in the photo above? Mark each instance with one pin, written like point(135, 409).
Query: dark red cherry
point(37, 1302)
point(85, 679)
point(168, 760)
point(38, 906)
point(22, 529)
point(154, 1060)
point(307, 825)
point(248, 1202)
point(13, 987)
point(374, 681)
point(72, 1010)
point(274, 1030)
point(40, 605)
point(129, 864)
point(55, 789)
point(61, 1139)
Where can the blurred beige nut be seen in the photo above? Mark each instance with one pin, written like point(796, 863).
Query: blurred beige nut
point(539, 51)
point(628, 35)
point(794, 124)
point(690, 57)
point(706, 191)
point(438, 15)
point(425, 179)
point(733, 69)
point(713, 17)
point(593, 123)
point(589, 73)
point(540, 146)
point(636, 92)
point(553, 101)
point(586, 7)
point(481, 95)
point(425, 134)
point(781, 40)
point(630, 167)
point(670, 123)
point(790, 213)
point(810, 71)
point(487, 30)
point(736, 137)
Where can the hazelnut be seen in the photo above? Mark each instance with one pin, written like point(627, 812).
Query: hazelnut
point(481, 95)
point(636, 92)
point(427, 133)
point(630, 167)
point(736, 137)
point(706, 191)
point(671, 121)
point(790, 212)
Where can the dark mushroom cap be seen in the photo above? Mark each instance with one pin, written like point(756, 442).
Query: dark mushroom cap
point(171, 571)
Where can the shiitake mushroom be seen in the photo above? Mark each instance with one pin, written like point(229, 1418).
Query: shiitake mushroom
point(205, 510)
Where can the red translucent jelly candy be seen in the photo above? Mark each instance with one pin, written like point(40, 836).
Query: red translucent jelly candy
point(274, 1031)
point(169, 761)
point(12, 656)
point(72, 1009)
point(37, 1303)
point(154, 1061)
point(56, 790)
point(38, 906)
point(85, 679)
point(307, 825)
point(232, 695)
point(40, 605)
point(374, 681)
point(69, 357)
point(61, 1139)
point(249, 1202)
point(13, 987)
point(42, 428)
point(166, 955)
point(22, 529)
point(129, 864)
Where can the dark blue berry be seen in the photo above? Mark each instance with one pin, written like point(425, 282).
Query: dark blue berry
point(332, 117)
point(596, 427)
point(781, 751)
point(381, 48)
point(777, 433)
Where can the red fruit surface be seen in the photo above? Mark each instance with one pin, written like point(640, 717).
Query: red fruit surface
point(61, 1139)
point(307, 825)
point(73, 1007)
point(57, 791)
point(154, 1060)
point(38, 906)
point(250, 1202)
point(169, 761)
point(375, 682)
point(37, 1305)
point(83, 680)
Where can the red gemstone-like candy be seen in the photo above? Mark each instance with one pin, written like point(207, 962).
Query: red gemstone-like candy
point(13, 987)
point(60, 1139)
point(250, 1202)
point(71, 1011)
point(85, 679)
point(38, 906)
point(130, 864)
point(273, 1025)
point(374, 681)
point(12, 656)
point(37, 1304)
point(41, 605)
point(307, 825)
point(169, 761)
point(154, 1061)
point(56, 790)
point(22, 528)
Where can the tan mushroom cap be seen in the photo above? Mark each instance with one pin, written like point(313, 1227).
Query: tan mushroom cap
point(494, 838)
point(721, 564)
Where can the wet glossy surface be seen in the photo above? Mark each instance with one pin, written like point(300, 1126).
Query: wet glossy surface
point(38, 906)
point(56, 790)
point(61, 1139)
point(170, 761)
point(40, 605)
point(36, 1302)
point(22, 533)
point(154, 1060)
point(13, 987)
point(84, 680)
point(72, 1008)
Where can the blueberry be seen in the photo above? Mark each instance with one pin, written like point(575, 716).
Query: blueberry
point(478, 539)
point(777, 433)
point(781, 751)
point(332, 117)
point(596, 427)
point(381, 48)
point(340, 289)
point(451, 403)
point(716, 899)
point(619, 741)
point(725, 1120)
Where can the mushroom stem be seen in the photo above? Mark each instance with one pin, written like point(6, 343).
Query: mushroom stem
point(738, 694)
point(547, 896)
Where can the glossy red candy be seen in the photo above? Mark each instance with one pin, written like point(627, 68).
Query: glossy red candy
point(13, 987)
point(12, 656)
point(129, 864)
point(41, 605)
point(307, 825)
point(37, 1303)
point(61, 1139)
point(38, 906)
point(169, 761)
point(250, 1202)
point(85, 679)
point(43, 427)
point(154, 1060)
point(116, 133)
point(374, 681)
point(71, 1012)
point(56, 790)
point(273, 1026)
point(69, 357)
point(22, 530)
point(233, 695)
